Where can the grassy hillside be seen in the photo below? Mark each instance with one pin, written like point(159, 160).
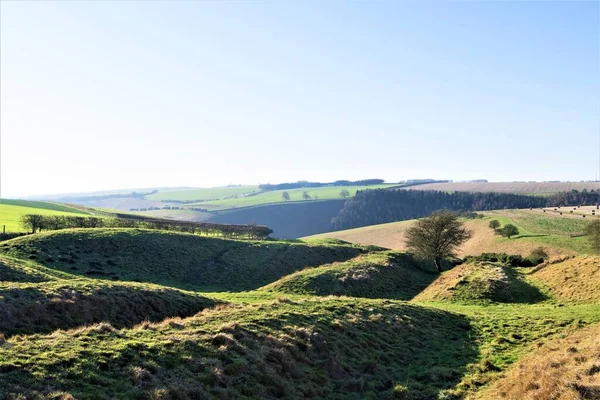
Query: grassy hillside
point(275, 196)
point(512, 187)
point(562, 369)
point(174, 259)
point(203, 193)
point(296, 350)
point(379, 275)
point(11, 212)
point(549, 230)
point(482, 283)
point(570, 280)
point(62, 304)
point(299, 336)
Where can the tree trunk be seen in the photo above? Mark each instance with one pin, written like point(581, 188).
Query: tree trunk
point(438, 266)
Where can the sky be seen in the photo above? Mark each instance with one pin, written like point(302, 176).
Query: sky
point(99, 95)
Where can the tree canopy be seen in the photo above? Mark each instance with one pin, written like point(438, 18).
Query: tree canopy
point(437, 236)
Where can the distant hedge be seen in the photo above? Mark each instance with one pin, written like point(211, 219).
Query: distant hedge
point(36, 222)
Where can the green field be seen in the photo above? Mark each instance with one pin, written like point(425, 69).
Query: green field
point(275, 196)
point(11, 212)
point(203, 193)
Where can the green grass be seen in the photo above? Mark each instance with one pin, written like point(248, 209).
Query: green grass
point(203, 193)
point(300, 350)
point(483, 283)
point(27, 308)
point(292, 339)
point(547, 231)
point(273, 197)
point(547, 224)
point(11, 212)
point(380, 275)
point(179, 260)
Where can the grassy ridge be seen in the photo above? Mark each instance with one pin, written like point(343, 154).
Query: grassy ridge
point(379, 275)
point(300, 350)
point(11, 212)
point(482, 283)
point(43, 307)
point(173, 259)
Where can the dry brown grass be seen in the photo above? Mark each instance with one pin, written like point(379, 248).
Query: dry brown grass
point(483, 240)
point(573, 280)
point(511, 187)
point(562, 369)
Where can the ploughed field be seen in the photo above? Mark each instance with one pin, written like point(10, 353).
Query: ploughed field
point(134, 314)
point(541, 188)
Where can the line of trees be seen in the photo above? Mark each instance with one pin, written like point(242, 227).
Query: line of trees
point(307, 184)
point(37, 223)
point(370, 207)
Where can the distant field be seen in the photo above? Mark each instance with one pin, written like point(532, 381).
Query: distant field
point(203, 193)
point(550, 230)
point(11, 212)
point(271, 197)
point(542, 188)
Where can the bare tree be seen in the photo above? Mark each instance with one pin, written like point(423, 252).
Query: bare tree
point(285, 196)
point(344, 193)
point(305, 196)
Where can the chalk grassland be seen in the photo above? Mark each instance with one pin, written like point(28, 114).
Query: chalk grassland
point(560, 235)
point(275, 196)
point(11, 212)
point(511, 187)
point(203, 193)
point(566, 368)
point(288, 340)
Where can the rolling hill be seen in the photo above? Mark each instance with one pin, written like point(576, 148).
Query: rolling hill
point(133, 313)
point(179, 260)
point(11, 211)
point(379, 275)
point(559, 234)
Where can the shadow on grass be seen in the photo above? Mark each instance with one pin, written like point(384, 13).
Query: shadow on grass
point(518, 290)
point(345, 349)
point(43, 308)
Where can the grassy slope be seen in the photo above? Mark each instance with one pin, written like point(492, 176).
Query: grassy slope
point(272, 197)
point(202, 193)
point(321, 347)
point(482, 283)
point(43, 307)
point(11, 212)
point(174, 259)
point(300, 349)
point(572, 280)
point(379, 275)
point(563, 369)
point(536, 229)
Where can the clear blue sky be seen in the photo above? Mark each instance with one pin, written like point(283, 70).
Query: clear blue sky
point(106, 95)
